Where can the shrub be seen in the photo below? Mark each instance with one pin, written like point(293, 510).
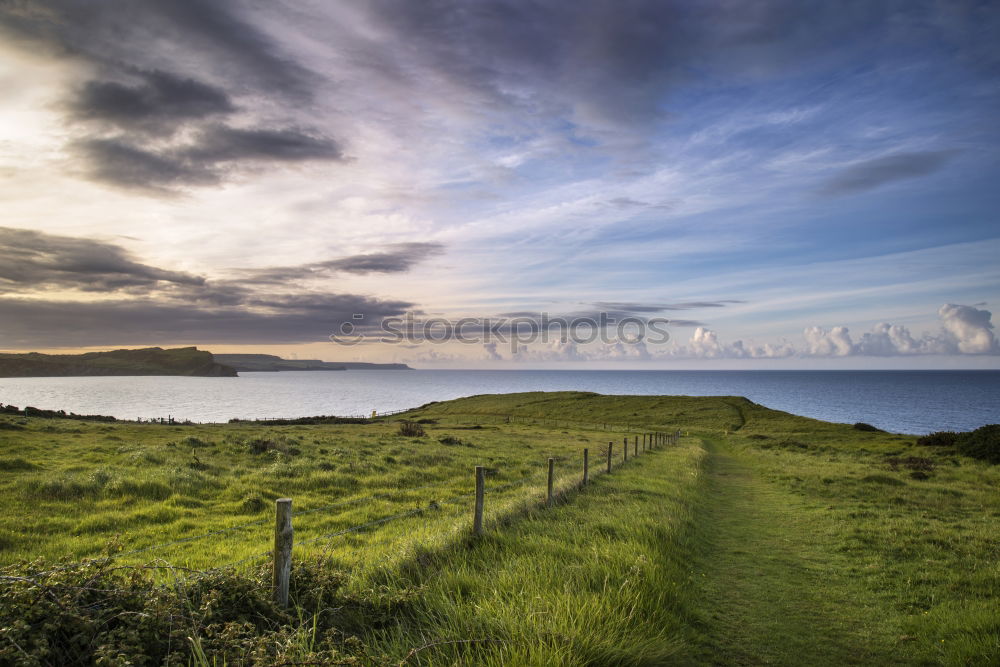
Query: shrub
point(938, 439)
point(103, 613)
point(918, 463)
point(861, 426)
point(254, 504)
point(983, 443)
point(264, 445)
point(411, 429)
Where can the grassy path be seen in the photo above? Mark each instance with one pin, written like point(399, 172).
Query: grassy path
point(772, 585)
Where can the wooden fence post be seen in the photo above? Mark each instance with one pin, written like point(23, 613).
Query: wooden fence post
point(552, 466)
point(477, 519)
point(625, 450)
point(586, 465)
point(637, 445)
point(611, 446)
point(283, 540)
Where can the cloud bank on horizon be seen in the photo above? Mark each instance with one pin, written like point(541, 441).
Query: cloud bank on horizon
point(229, 173)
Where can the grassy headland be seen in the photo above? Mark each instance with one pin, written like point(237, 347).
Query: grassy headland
point(147, 361)
point(762, 537)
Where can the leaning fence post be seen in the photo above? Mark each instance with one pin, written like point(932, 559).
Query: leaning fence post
point(586, 465)
point(477, 519)
point(611, 446)
point(552, 466)
point(283, 540)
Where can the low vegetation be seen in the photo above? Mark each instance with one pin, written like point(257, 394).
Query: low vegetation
point(761, 537)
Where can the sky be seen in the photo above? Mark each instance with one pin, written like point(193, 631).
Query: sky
point(746, 184)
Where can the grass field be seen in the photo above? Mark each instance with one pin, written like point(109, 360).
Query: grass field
point(761, 537)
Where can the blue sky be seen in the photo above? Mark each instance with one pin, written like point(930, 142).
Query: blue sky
point(779, 179)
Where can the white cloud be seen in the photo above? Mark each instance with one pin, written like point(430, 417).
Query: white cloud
point(965, 330)
point(822, 343)
point(970, 327)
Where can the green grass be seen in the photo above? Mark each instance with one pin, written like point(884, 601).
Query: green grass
point(762, 537)
point(76, 489)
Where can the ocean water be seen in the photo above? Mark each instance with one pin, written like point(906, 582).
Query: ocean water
point(898, 401)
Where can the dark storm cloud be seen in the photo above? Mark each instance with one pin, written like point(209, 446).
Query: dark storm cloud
point(880, 171)
point(33, 324)
point(397, 258)
point(225, 144)
point(400, 257)
point(158, 102)
point(116, 162)
point(137, 48)
point(117, 34)
point(216, 26)
point(33, 260)
point(214, 154)
point(152, 304)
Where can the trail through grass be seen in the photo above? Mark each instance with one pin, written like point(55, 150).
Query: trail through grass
point(772, 584)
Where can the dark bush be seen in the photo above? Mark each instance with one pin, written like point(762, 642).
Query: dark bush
point(262, 445)
point(938, 439)
point(861, 426)
point(253, 505)
point(411, 429)
point(983, 443)
point(910, 463)
point(103, 613)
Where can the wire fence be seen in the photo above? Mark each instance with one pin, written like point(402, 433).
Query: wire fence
point(283, 548)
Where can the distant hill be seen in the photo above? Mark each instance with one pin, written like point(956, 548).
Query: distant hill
point(271, 363)
point(147, 361)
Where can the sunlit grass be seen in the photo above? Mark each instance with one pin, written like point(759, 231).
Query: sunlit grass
point(762, 537)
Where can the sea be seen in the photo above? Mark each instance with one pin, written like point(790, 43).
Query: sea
point(914, 402)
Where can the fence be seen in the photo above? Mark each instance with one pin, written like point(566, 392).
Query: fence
point(284, 542)
point(284, 532)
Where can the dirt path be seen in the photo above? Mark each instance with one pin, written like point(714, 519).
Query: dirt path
point(774, 588)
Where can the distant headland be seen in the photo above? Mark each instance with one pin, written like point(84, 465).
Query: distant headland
point(271, 363)
point(187, 361)
point(147, 361)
